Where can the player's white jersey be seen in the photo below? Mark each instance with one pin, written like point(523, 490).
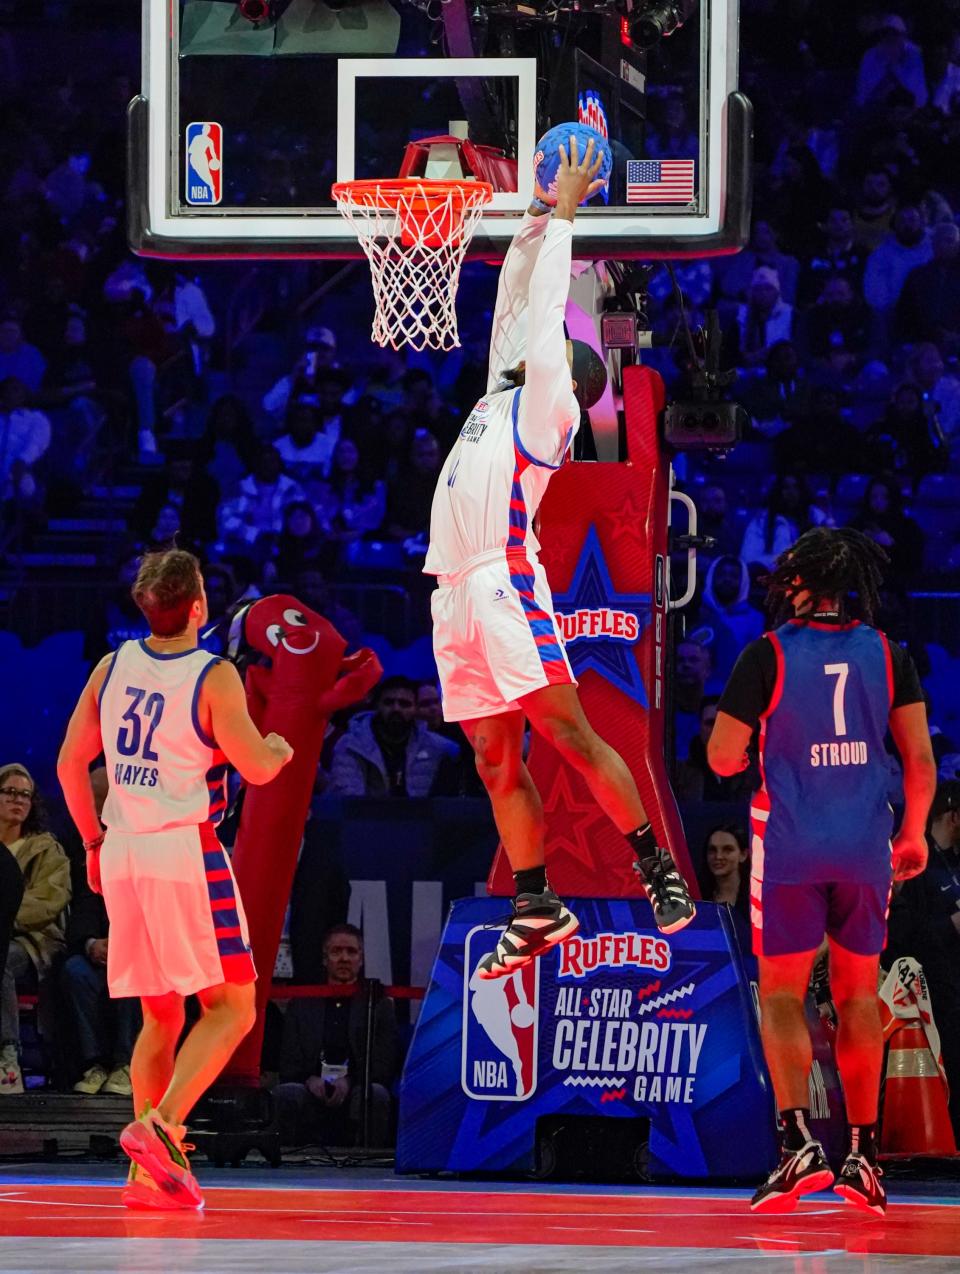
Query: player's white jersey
point(164, 770)
point(493, 480)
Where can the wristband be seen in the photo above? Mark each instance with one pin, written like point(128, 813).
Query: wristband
point(541, 204)
point(91, 845)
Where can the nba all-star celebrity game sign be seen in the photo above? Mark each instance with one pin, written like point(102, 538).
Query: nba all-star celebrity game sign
point(620, 1021)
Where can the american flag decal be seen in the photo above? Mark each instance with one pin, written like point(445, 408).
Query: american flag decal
point(660, 180)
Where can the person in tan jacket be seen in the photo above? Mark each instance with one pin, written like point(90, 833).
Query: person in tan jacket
point(38, 928)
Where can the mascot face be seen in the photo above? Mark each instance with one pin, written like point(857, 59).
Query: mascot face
point(281, 623)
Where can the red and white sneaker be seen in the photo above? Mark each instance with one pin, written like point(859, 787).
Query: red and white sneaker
point(159, 1149)
point(538, 923)
point(799, 1172)
point(859, 1183)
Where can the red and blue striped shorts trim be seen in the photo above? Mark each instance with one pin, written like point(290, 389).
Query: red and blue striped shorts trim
point(236, 958)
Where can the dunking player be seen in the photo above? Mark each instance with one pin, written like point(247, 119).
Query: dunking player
point(168, 718)
point(495, 637)
point(824, 688)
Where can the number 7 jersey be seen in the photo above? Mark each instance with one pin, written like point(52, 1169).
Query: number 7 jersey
point(823, 813)
point(164, 770)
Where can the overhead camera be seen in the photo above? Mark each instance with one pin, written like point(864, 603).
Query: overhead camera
point(659, 19)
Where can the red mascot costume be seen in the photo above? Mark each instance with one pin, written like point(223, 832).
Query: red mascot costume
point(306, 679)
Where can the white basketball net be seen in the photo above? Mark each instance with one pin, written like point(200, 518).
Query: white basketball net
point(415, 241)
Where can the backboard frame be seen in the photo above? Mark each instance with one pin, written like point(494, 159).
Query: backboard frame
point(159, 226)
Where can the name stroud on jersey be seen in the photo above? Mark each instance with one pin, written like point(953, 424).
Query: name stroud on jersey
point(846, 753)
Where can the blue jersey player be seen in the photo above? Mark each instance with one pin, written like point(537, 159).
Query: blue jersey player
point(823, 689)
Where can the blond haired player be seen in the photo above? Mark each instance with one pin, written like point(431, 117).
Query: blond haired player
point(495, 637)
point(169, 718)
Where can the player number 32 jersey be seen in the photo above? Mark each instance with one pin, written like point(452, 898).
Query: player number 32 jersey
point(164, 770)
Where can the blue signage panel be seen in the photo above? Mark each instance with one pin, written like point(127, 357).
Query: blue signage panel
point(620, 1021)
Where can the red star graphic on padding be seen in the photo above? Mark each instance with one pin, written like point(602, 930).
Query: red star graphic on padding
point(627, 520)
point(571, 820)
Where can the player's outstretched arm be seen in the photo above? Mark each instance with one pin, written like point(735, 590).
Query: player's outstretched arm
point(911, 734)
point(81, 747)
point(255, 758)
point(509, 331)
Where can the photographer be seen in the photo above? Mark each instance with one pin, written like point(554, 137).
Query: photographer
point(320, 1096)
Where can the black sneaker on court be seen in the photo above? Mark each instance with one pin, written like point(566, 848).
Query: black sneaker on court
point(799, 1172)
point(666, 891)
point(859, 1183)
point(538, 923)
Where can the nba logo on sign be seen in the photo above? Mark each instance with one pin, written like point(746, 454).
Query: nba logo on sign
point(204, 156)
point(500, 1018)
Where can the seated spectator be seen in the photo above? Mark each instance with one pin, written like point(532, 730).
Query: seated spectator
point(892, 62)
point(387, 447)
point(929, 305)
point(780, 396)
point(72, 390)
point(228, 445)
point(882, 517)
point(252, 520)
point(796, 197)
point(873, 216)
point(725, 874)
point(925, 924)
point(37, 930)
point(18, 358)
point(424, 406)
point(310, 587)
point(725, 608)
point(837, 253)
point(106, 1030)
point(906, 246)
point(940, 390)
point(788, 514)
point(223, 594)
point(942, 74)
point(839, 318)
point(144, 348)
point(736, 272)
point(303, 540)
point(821, 442)
point(388, 752)
point(351, 502)
point(324, 1052)
point(715, 521)
point(183, 484)
point(410, 495)
point(691, 673)
point(306, 448)
point(906, 440)
point(694, 780)
point(319, 354)
point(765, 319)
point(674, 137)
point(24, 439)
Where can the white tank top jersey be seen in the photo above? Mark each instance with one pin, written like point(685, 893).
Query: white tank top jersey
point(514, 440)
point(164, 770)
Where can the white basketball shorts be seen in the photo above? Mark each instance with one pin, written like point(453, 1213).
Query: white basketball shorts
point(176, 920)
point(495, 635)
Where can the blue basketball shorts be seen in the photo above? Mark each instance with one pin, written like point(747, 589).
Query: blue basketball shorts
point(790, 919)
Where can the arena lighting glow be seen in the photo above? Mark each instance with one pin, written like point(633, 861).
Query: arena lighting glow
point(660, 19)
point(255, 10)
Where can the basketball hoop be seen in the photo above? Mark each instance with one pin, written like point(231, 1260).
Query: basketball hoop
point(414, 233)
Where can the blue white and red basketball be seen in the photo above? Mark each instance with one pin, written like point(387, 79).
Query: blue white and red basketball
point(546, 160)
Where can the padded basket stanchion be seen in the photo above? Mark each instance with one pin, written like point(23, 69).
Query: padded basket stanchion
point(414, 233)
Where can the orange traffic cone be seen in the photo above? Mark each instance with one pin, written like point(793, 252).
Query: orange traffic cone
point(916, 1118)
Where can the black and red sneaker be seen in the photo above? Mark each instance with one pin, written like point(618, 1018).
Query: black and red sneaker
point(538, 923)
point(860, 1184)
point(799, 1172)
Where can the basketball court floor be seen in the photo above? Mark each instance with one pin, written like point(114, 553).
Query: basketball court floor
point(70, 1218)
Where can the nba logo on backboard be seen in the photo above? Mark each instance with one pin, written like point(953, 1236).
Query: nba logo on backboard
point(500, 1026)
point(204, 158)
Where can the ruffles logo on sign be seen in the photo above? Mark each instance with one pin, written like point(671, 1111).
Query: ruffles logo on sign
point(600, 626)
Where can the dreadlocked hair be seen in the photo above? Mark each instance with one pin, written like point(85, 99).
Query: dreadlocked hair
point(831, 564)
